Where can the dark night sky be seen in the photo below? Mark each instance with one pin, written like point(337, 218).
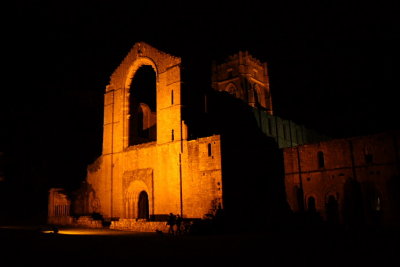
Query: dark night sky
point(332, 66)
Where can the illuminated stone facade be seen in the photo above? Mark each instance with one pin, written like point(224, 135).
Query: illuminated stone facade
point(223, 148)
point(148, 168)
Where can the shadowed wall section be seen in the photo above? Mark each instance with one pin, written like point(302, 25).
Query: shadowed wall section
point(355, 183)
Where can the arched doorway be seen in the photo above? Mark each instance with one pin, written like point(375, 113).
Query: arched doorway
point(143, 206)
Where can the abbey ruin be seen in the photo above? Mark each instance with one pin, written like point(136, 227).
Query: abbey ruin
point(169, 148)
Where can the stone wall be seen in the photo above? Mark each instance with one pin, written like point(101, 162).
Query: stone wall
point(358, 173)
point(187, 182)
point(139, 225)
point(202, 186)
point(87, 221)
point(60, 220)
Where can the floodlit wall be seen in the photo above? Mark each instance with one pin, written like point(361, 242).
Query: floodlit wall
point(177, 175)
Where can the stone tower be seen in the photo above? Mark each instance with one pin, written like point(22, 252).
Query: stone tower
point(246, 78)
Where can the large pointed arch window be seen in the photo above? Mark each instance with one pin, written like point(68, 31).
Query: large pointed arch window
point(142, 106)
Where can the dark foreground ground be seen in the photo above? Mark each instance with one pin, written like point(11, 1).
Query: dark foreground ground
point(28, 246)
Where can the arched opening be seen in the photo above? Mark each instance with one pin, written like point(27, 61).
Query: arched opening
point(142, 106)
point(209, 151)
point(321, 159)
point(143, 206)
point(231, 89)
point(311, 204)
point(332, 209)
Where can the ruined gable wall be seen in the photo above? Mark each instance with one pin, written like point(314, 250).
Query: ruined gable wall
point(168, 162)
point(163, 61)
point(116, 107)
point(123, 165)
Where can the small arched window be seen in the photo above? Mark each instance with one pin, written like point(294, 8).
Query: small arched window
point(321, 159)
point(209, 151)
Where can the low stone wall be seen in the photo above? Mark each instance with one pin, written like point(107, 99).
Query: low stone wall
point(139, 225)
point(87, 221)
point(121, 224)
point(60, 220)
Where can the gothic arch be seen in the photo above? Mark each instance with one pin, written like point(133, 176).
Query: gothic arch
point(141, 54)
point(141, 98)
point(167, 73)
point(232, 89)
point(142, 61)
point(139, 116)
